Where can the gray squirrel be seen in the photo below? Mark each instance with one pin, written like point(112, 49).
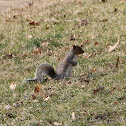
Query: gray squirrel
point(63, 70)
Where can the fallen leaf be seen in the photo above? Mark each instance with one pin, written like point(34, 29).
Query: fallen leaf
point(96, 43)
point(30, 36)
point(8, 107)
point(83, 22)
point(80, 86)
point(24, 55)
point(100, 88)
point(48, 89)
point(13, 86)
point(55, 123)
point(104, 1)
point(37, 88)
point(88, 55)
point(117, 63)
point(33, 97)
point(122, 1)
point(107, 43)
point(17, 104)
point(15, 16)
point(102, 116)
point(35, 101)
point(29, 3)
point(73, 116)
point(115, 10)
point(38, 92)
point(34, 23)
point(115, 103)
point(103, 20)
point(86, 41)
point(122, 98)
point(9, 56)
point(37, 51)
point(72, 37)
point(10, 115)
point(46, 42)
point(94, 69)
point(111, 48)
point(9, 20)
point(47, 98)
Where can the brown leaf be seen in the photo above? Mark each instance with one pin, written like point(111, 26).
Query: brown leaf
point(18, 103)
point(100, 88)
point(46, 42)
point(117, 63)
point(82, 22)
point(15, 16)
point(24, 55)
point(33, 97)
point(72, 37)
point(10, 115)
point(107, 43)
point(115, 103)
point(47, 89)
point(34, 23)
point(111, 48)
point(9, 56)
point(96, 43)
point(104, 1)
point(9, 20)
point(122, 98)
point(103, 20)
point(47, 98)
point(86, 41)
point(87, 55)
point(55, 123)
point(37, 51)
point(30, 3)
point(80, 86)
point(94, 69)
point(115, 10)
point(37, 88)
point(102, 116)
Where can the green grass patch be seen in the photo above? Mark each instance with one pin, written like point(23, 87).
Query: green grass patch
point(96, 90)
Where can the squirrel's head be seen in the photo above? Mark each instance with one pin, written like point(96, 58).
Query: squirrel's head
point(78, 50)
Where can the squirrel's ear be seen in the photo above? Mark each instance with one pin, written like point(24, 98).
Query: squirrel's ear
point(74, 46)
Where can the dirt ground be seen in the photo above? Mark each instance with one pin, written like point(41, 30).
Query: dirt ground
point(6, 4)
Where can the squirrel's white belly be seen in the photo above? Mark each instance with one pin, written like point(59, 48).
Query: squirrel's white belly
point(69, 69)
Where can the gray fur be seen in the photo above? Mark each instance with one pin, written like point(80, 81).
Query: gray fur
point(63, 70)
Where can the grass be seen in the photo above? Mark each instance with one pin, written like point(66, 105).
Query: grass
point(81, 94)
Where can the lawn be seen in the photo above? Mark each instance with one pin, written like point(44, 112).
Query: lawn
point(42, 32)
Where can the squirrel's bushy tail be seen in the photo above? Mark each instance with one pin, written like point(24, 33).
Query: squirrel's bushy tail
point(30, 80)
point(41, 71)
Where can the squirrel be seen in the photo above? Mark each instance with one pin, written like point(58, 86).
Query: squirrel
point(64, 67)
